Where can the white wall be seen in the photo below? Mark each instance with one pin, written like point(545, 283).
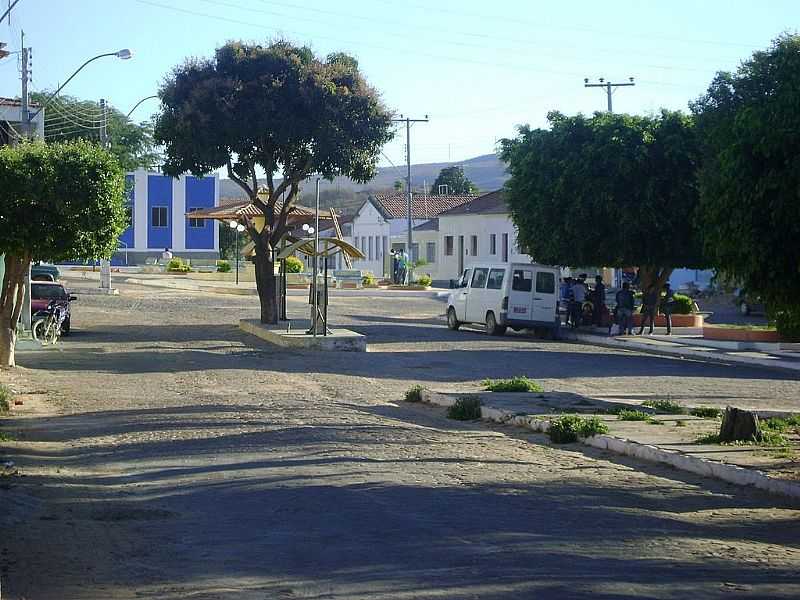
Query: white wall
point(481, 226)
point(370, 231)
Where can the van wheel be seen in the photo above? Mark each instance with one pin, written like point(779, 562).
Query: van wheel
point(452, 322)
point(492, 328)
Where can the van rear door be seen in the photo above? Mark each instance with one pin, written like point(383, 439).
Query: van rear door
point(520, 298)
point(545, 296)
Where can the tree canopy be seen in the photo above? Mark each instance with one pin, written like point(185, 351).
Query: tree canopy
point(455, 180)
point(68, 118)
point(279, 108)
point(607, 190)
point(59, 201)
point(750, 176)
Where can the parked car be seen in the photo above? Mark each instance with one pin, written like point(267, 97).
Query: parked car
point(45, 272)
point(42, 292)
point(501, 295)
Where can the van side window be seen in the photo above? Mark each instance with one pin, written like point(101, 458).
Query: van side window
point(495, 279)
point(479, 278)
point(464, 281)
point(545, 283)
point(522, 281)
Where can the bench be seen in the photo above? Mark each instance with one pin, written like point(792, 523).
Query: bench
point(349, 279)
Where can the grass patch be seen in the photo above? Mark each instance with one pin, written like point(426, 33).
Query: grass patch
point(768, 438)
point(4, 437)
point(414, 393)
point(633, 415)
point(515, 384)
point(745, 327)
point(6, 399)
point(465, 409)
point(567, 428)
point(789, 424)
point(680, 423)
point(706, 412)
point(665, 407)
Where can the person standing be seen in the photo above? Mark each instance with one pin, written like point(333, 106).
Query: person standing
point(598, 301)
point(403, 271)
point(395, 267)
point(625, 309)
point(649, 303)
point(166, 256)
point(578, 298)
point(667, 305)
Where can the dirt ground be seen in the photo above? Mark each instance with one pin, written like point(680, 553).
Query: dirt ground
point(164, 454)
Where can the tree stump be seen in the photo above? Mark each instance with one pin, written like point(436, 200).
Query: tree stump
point(739, 426)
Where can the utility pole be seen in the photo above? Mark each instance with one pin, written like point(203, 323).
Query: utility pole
point(609, 86)
point(25, 120)
point(105, 263)
point(409, 193)
point(103, 123)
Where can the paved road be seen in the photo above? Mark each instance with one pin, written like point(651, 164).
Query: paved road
point(167, 455)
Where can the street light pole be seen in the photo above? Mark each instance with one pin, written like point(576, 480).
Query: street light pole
point(135, 106)
point(238, 227)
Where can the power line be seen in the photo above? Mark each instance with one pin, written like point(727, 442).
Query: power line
point(609, 87)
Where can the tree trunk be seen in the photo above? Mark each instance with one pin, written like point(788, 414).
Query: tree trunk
point(267, 285)
point(739, 426)
point(651, 277)
point(12, 294)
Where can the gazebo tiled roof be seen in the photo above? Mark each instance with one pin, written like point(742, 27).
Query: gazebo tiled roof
point(233, 211)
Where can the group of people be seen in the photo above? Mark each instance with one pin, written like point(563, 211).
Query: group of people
point(400, 263)
point(575, 292)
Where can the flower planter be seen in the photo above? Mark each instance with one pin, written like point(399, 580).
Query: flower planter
point(740, 334)
point(692, 320)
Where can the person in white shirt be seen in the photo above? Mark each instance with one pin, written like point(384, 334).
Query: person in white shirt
point(166, 255)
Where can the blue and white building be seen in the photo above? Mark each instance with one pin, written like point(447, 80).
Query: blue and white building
point(158, 207)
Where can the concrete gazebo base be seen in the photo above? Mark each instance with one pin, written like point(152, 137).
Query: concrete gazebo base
point(295, 336)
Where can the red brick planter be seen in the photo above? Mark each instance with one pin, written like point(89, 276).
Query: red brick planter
point(733, 334)
point(677, 320)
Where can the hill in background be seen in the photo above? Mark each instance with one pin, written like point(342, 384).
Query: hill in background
point(487, 172)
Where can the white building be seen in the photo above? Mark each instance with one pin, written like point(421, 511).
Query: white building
point(11, 128)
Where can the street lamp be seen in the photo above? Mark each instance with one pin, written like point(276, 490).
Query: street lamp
point(135, 106)
point(238, 227)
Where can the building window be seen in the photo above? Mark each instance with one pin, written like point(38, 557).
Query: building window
point(473, 245)
point(384, 245)
point(196, 223)
point(377, 247)
point(493, 244)
point(159, 216)
point(430, 252)
point(369, 251)
point(448, 245)
point(505, 247)
point(414, 252)
point(128, 216)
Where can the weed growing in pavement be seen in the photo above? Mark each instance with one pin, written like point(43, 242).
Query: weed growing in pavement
point(465, 409)
point(633, 415)
point(666, 407)
point(706, 412)
point(4, 437)
point(6, 399)
point(414, 393)
point(567, 428)
point(680, 423)
point(782, 424)
point(768, 438)
point(515, 384)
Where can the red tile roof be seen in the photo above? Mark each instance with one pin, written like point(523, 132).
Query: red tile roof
point(393, 206)
point(492, 203)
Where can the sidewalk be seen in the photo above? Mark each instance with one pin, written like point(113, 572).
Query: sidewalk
point(687, 343)
point(667, 439)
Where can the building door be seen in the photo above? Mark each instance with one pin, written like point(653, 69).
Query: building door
point(461, 254)
point(505, 247)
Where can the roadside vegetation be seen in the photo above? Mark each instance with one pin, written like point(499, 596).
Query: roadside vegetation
point(665, 407)
point(706, 412)
point(414, 393)
point(515, 384)
point(566, 429)
point(465, 409)
point(6, 399)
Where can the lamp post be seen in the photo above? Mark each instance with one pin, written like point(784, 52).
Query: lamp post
point(135, 106)
point(311, 231)
point(238, 227)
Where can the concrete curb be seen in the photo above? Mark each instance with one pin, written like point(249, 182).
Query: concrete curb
point(687, 353)
point(699, 466)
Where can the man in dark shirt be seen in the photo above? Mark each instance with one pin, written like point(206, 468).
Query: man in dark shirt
point(625, 309)
point(649, 303)
point(667, 305)
point(598, 301)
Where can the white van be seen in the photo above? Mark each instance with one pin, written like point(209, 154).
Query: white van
point(501, 295)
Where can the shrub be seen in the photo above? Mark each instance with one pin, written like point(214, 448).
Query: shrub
point(515, 384)
point(667, 407)
point(706, 412)
point(294, 265)
point(786, 319)
point(176, 265)
point(414, 393)
point(781, 424)
point(369, 279)
point(424, 280)
point(682, 305)
point(420, 263)
point(567, 428)
point(6, 399)
point(465, 409)
point(633, 415)
point(223, 266)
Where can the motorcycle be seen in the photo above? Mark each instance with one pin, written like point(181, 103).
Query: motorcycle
point(47, 324)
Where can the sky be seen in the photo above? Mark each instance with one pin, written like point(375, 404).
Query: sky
point(476, 69)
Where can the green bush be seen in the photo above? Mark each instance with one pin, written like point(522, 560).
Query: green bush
point(515, 384)
point(223, 266)
point(176, 265)
point(706, 412)
point(369, 279)
point(414, 393)
point(566, 429)
point(682, 305)
point(666, 407)
point(6, 399)
point(294, 265)
point(465, 409)
point(424, 280)
point(633, 415)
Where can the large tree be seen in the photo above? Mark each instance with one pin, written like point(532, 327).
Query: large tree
point(276, 108)
point(68, 118)
point(455, 180)
point(607, 190)
point(749, 123)
point(57, 202)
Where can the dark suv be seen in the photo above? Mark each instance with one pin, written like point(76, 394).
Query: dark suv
point(43, 292)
